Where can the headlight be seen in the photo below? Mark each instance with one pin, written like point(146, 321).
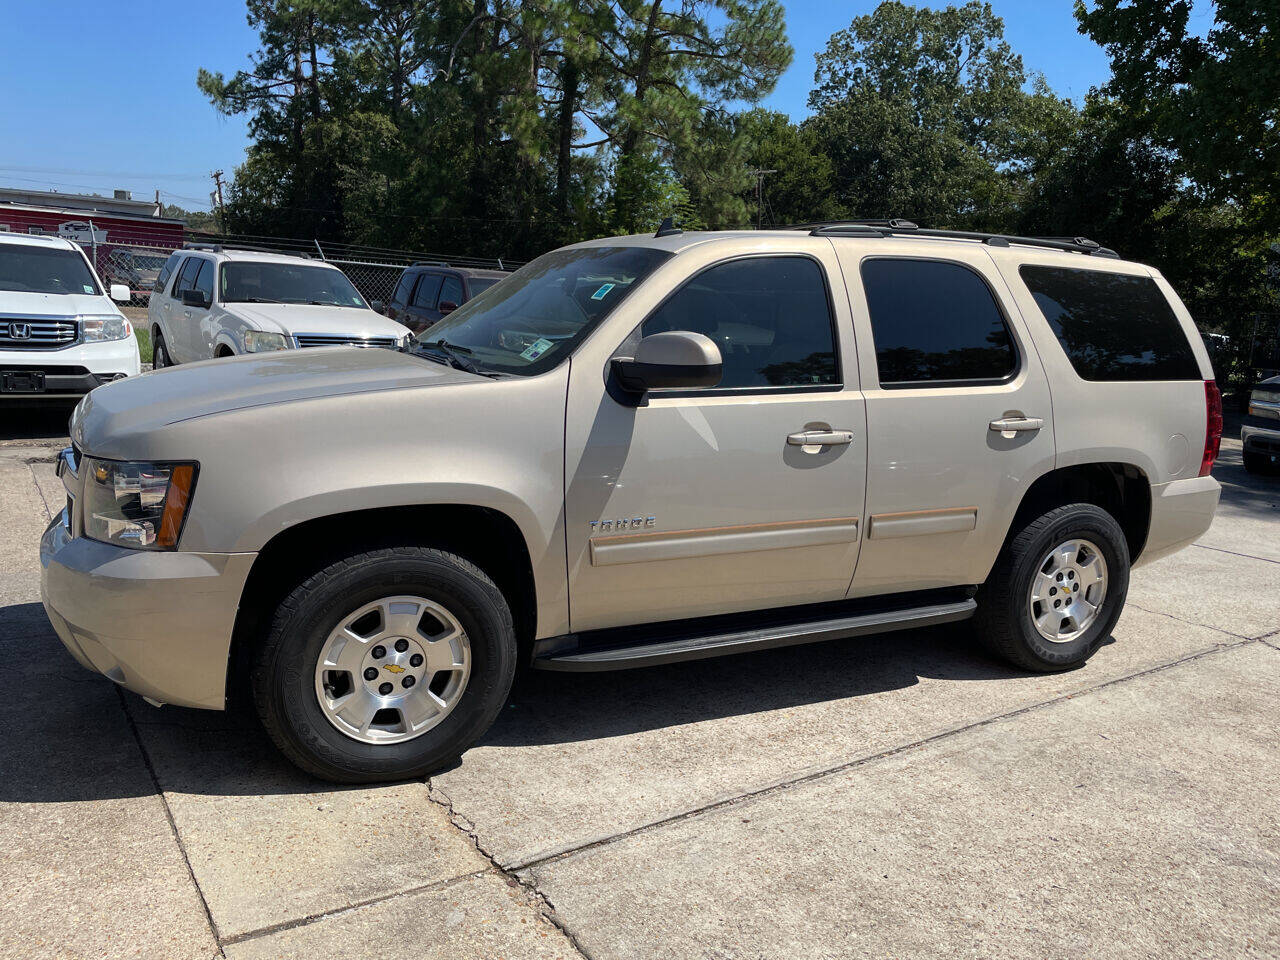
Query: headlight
point(107, 327)
point(140, 505)
point(258, 341)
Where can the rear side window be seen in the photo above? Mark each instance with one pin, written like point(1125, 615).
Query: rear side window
point(187, 278)
point(1111, 325)
point(935, 323)
point(166, 272)
point(768, 315)
point(428, 287)
point(403, 287)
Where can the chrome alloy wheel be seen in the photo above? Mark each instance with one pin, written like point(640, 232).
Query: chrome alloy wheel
point(1068, 590)
point(393, 669)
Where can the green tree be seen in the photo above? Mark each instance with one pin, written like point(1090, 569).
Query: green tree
point(924, 114)
point(799, 188)
point(1213, 100)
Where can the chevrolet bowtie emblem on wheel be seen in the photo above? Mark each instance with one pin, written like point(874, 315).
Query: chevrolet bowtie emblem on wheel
point(20, 331)
point(395, 668)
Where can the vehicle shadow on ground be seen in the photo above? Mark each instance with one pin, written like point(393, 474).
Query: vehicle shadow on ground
point(29, 420)
point(72, 736)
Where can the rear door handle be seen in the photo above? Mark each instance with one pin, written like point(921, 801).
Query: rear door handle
point(1016, 424)
point(822, 438)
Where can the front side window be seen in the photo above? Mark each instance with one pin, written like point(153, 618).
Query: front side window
point(451, 290)
point(204, 281)
point(187, 278)
point(253, 281)
point(424, 298)
point(536, 317)
point(935, 323)
point(769, 316)
point(31, 269)
point(1112, 326)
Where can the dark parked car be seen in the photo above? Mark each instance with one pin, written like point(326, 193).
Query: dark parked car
point(428, 291)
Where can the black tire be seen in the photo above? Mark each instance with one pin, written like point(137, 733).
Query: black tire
point(1004, 622)
point(1255, 462)
point(283, 671)
point(159, 352)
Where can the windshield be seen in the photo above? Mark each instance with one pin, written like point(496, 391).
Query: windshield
point(534, 318)
point(253, 282)
point(481, 283)
point(31, 269)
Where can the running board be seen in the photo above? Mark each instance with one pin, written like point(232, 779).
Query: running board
point(703, 645)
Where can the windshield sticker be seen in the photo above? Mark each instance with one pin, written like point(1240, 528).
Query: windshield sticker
point(536, 349)
point(603, 291)
point(87, 288)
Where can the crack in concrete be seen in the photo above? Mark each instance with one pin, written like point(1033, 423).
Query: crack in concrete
point(546, 908)
point(1247, 556)
point(48, 511)
point(306, 921)
point(173, 824)
point(863, 761)
point(1189, 623)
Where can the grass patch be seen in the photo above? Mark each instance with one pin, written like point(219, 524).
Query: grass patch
point(144, 342)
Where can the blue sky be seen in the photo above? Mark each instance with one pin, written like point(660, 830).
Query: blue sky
point(99, 94)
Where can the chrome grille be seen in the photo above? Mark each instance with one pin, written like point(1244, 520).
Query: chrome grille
point(340, 340)
point(22, 333)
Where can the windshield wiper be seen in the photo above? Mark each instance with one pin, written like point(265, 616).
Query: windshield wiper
point(255, 300)
point(454, 353)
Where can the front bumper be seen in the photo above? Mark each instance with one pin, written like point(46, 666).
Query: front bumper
point(75, 370)
point(1259, 435)
point(158, 623)
point(1181, 510)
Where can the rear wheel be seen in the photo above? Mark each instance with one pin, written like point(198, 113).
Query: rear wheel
point(1057, 589)
point(385, 665)
point(159, 352)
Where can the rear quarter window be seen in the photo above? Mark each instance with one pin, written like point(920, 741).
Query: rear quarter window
point(1112, 326)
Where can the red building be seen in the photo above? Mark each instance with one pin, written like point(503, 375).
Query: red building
point(126, 239)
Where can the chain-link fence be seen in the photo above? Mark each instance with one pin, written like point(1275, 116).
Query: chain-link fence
point(134, 257)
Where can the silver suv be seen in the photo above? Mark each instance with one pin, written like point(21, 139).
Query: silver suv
point(213, 301)
point(635, 451)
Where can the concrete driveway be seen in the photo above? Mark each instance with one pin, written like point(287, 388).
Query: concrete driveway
point(895, 796)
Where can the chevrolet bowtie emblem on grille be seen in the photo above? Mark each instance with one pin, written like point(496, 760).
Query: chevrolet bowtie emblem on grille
point(395, 668)
point(20, 331)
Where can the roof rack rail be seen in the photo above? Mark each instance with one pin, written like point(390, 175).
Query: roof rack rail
point(898, 228)
point(431, 263)
point(210, 247)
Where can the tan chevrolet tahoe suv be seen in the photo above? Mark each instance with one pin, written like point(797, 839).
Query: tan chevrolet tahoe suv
point(635, 451)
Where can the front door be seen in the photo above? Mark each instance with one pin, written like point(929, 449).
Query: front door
point(959, 421)
point(180, 332)
point(741, 497)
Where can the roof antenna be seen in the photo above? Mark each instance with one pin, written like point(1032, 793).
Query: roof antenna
point(667, 228)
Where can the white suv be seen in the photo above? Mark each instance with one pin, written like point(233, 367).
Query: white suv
point(60, 335)
point(210, 301)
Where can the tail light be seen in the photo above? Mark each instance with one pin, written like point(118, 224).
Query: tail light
point(1212, 426)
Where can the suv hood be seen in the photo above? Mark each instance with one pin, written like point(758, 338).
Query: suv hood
point(293, 318)
point(54, 304)
point(113, 412)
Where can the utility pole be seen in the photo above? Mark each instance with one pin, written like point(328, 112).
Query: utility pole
point(217, 192)
point(760, 175)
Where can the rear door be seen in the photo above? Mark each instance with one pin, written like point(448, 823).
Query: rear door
point(959, 420)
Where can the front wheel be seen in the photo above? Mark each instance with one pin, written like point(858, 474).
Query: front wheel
point(385, 665)
point(1057, 590)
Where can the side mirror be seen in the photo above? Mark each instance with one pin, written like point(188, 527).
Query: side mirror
point(194, 298)
point(377, 306)
point(677, 358)
point(119, 293)
point(446, 306)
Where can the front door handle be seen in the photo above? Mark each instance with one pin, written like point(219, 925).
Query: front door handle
point(1008, 426)
point(821, 438)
